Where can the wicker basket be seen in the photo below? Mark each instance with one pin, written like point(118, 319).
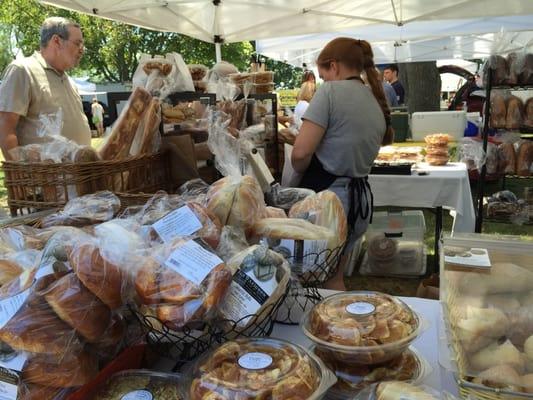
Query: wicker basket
point(33, 187)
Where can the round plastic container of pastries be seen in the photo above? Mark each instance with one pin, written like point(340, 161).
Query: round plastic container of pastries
point(361, 328)
point(351, 379)
point(437, 160)
point(434, 150)
point(259, 368)
point(438, 139)
point(140, 384)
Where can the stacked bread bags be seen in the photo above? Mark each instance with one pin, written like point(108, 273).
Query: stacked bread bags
point(68, 322)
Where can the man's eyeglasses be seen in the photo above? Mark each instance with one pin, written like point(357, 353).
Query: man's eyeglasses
point(78, 43)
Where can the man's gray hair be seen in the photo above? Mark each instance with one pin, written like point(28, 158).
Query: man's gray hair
point(55, 26)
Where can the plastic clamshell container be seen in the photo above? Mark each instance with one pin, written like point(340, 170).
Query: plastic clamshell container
point(141, 384)
point(427, 123)
point(487, 298)
point(351, 379)
point(395, 244)
point(361, 327)
point(259, 368)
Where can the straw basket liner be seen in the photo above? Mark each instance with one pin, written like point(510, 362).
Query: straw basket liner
point(39, 186)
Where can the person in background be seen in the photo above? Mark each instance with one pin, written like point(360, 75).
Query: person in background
point(390, 73)
point(39, 85)
point(97, 112)
point(342, 130)
point(289, 178)
point(309, 76)
point(390, 93)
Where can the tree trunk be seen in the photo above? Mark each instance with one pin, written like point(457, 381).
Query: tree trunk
point(422, 84)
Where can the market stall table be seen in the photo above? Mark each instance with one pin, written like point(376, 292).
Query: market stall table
point(428, 186)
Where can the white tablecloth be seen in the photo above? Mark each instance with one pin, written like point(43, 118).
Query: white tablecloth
point(447, 186)
point(427, 344)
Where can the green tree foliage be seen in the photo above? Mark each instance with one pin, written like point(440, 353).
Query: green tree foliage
point(112, 49)
point(6, 54)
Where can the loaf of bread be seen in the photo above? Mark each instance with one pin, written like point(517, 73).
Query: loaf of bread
point(177, 300)
point(324, 209)
point(500, 69)
point(163, 67)
point(9, 271)
point(512, 62)
point(119, 142)
point(103, 278)
point(237, 202)
point(78, 307)
point(291, 228)
point(498, 110)
point(67, 370)
point(515, 113)
point(525, 75)
point(529, 113)
point(506, 159)
point(36, 328)
point(524, 158)
point(273, 212)
point(500, 377)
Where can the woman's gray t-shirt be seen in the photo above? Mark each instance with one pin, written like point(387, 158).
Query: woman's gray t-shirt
point(354, 124)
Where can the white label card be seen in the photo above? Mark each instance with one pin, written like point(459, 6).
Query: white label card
point(475, 257)
point(138, 395)
point(255, 360)
point(8, 391)
point(13, 361)
point(193, 262)
point(180, 222)
point(360, 308)
point(10, 306)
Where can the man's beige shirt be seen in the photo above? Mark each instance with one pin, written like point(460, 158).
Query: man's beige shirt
point(31, 87)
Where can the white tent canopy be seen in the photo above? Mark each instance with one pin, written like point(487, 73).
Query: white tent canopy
point(419, 41)
point(237, 20)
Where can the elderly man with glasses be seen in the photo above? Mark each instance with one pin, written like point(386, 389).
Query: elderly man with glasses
point(38, 85)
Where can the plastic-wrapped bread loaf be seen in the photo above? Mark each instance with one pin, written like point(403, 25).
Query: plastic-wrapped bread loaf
point(515, 113)
point(506, 159)
point(119, 142)
point(528, 111)
point(524, 158)
point(395, 390)
point(498, 110)
point(324, 209)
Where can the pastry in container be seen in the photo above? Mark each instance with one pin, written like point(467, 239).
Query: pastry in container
point(438, 139)
point(140, 385)
point(259, 368)
point(351, 379)
point(437, 160)
point(361, 328)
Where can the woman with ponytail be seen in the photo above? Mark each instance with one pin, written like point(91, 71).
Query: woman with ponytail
point(342, 130)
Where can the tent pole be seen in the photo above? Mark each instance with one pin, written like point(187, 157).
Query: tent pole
point(218, 52)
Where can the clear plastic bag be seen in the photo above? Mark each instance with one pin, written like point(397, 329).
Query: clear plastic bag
point(86, 210)
point(397, 390)
point(471, 153)
point(21, 237)
point(198, 71)
point(261, 278)
point(524, 157)
point(286, 197)
point(528, 110)
point(182, 283)
point(232, 241)
point(147, 140)
point(163, 75)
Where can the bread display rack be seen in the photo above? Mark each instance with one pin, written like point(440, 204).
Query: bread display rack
point(491, 76)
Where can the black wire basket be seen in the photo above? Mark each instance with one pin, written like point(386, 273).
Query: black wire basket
point(310, 272)
point(314, 269)
point(298, 301)
point(190, 342)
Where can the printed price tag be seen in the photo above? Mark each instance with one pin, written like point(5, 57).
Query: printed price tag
point(193, 262)
point(9, 307)
point(180, 222)
point(138, 395)
point(8, 391)
point(360, 308)
point(255, 360)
